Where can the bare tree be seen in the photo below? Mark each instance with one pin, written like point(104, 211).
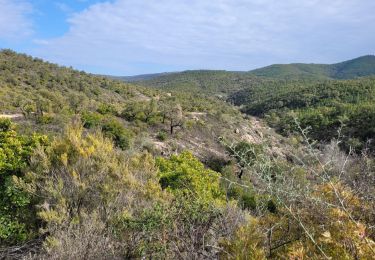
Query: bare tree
point(175, 117)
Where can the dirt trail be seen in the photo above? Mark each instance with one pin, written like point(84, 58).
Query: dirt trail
point(141, 97)
point(196, 113)
point(11, 116)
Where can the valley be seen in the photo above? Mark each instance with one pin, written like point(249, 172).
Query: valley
point(274, 163)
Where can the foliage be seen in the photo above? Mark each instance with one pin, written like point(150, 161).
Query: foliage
point(121, 136)
point(34, 86)
point(185, 174)
point(323, 107)
point(218, 82)
point(105, 109)
point(95, 193)
point(359, 67)
point(17, 215)
point(246, 153)
point(91, 119)
point(309, 212)
point(130, 216)
point(246, 244)
point(161, 136)
point(201, 81)
point(85, 183)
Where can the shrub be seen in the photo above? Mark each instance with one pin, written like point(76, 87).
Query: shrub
point(248, 202)
point(246, 244)
point(91, 119)
point(86, 184)
point(44, 120)
point(246, 198)
point(17, 215)
point(106, 109)
point(246, 153)
point(121, 136)
point(184, 173)
point(161, 136)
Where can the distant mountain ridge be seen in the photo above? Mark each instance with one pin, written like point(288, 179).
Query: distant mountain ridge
point(221, 82)
point(359, 67)
point(212, 82)
point(143, 76)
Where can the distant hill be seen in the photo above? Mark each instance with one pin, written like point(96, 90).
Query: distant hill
point(323, 107)
point(217, 82)
point(294, 71)
point(227, 82)
point(144, 76)
point(359, 67)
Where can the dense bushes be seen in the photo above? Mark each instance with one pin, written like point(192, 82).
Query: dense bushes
point(185, 174)
point(121, 136)
point(17, 214)
point(324, 107)
point(96, 201)
point(85, 184)
point(93, 193)
point(111, 127)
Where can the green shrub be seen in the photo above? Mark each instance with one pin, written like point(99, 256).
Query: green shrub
point(248, 202)
point(91, 119)
point(246, 153)
point(186, 174)
point(17, 214)
point(44, 120)
point(161, 136)
point(106, 109)
point(246, 199)
point(121, 136)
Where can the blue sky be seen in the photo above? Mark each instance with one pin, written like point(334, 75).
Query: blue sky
point(128, 37)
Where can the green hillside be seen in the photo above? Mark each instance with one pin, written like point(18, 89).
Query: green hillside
point(324, 107)
point(45, 97)
point(224, 82)
point(311, 90)
point(95, 168)
point(359, 67)
point(203, 81)
point(294, 71)
point(143, 77)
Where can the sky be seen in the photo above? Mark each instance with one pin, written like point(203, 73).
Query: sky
point(130, 37)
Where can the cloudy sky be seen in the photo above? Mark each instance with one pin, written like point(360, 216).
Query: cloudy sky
point(128, 37)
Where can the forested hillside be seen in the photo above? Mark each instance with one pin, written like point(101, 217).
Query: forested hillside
point(316, 95)
point(200, 81)
point(324, 107)
point(359, 67)
point(224, 82)
point(95, 168)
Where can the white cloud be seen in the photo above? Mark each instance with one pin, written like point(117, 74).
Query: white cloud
point(14, 20)
point(133, 36)
point(63, 7)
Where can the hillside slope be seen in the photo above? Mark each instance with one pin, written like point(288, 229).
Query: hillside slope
point(359, 67)
point(209, 82)
point(92, 168)
point(227, 82)
point(44, 97)
point(324, 107)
